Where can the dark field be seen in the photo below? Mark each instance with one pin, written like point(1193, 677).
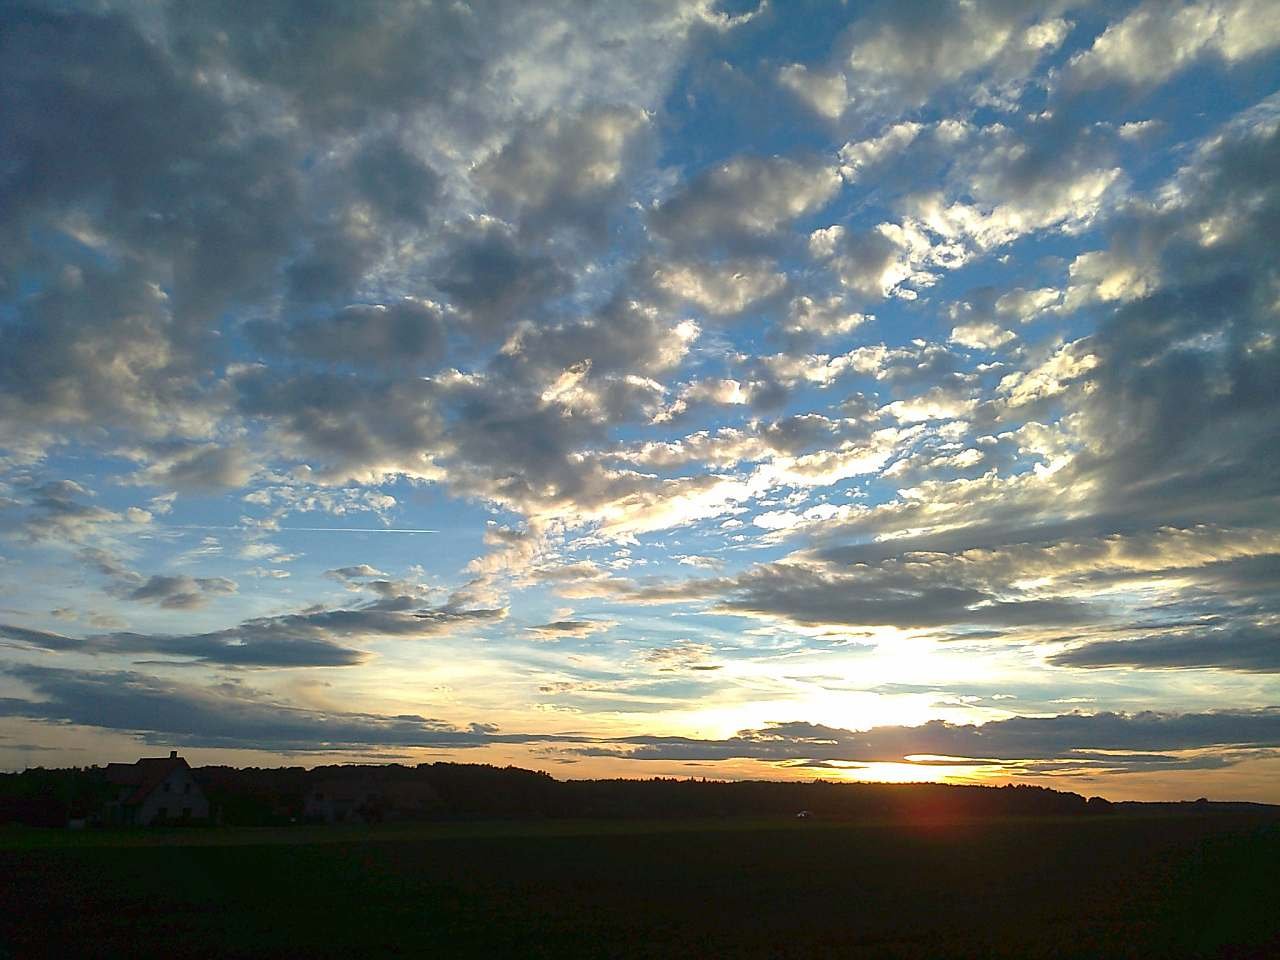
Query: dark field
point(1082, 887)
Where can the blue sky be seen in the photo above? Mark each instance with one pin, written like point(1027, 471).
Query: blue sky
point(861, 390)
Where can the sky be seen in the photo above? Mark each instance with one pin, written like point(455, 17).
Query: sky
point(882, 391)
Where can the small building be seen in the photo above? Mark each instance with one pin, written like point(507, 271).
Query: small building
point(344, 801)
point(152, 791)
point(369, 799)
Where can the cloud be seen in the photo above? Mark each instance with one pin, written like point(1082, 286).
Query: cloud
point(1184, 372)
point(744, 197)
point(1067, 365)
point(872, 264)
point(232, 714)
point(686, 655)
point(94, 350)
point(409, 332)
point(566, 168)
point(1157, 40)
point(720, 288)
point(936, 403)
point(956, 192)
point(826, 317)
point(181, 592)
point(1248, 648)
point(623, 336)
point(254, 644)
point(492, 279)
point(1064, 737)
point(200, 470)
point(56, 511)
point(856, 157)
point(900, 595)
point(224, 715)
point(981, 336)
point(199, 200)
point(344, 427)
point(313, 638)
point(570, 629)
point(42, 639)
point(359, 570)
point(902, 54)
point(825, 93)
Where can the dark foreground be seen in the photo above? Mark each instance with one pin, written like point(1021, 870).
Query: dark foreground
point(1093, 887)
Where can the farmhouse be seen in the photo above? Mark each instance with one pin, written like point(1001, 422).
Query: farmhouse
point(154, 790)
point(366, 798)
point(344, 801)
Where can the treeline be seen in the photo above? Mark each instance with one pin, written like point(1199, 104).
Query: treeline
point(49, 798)
point(277, 796)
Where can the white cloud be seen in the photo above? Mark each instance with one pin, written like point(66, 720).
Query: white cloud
point(720, 288)
point(980, 336)
point(1160, 39)
point(827, 93)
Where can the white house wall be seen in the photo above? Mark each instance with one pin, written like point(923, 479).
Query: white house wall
point(174, 800)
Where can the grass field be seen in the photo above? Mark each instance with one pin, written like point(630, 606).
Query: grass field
point(1080, 887)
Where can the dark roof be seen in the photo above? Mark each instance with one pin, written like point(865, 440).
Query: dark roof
point(145, 775)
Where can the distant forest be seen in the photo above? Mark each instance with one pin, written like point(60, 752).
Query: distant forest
point(444, 791)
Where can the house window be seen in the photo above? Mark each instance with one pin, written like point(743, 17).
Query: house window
point(186, 813)
point(166, 786)
point(186, 788)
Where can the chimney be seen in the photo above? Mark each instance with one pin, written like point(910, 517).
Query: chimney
point(173, 754)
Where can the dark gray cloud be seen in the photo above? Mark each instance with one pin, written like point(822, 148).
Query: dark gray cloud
point(313, 638)
point(395, 181)
point(42, 639)
point(1188, 377)
point(494, 280)
point(168, 171)
point(58, 510)
point(409, 333)
point(347, 426)
point(181, 592)
point(341, 67)
point(199, 469)
point(890, 595)
point(514, 433)
point(1065, 736)
point(869, 263)
point(624, 336)
point(804, 433)
point(518, 449)
point(96, 350)
point(252, 644)
point(898, 55)
point(1245, 648)
point(743, 200)
point(567, 169)
point(225, 715)
point(143, 201)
